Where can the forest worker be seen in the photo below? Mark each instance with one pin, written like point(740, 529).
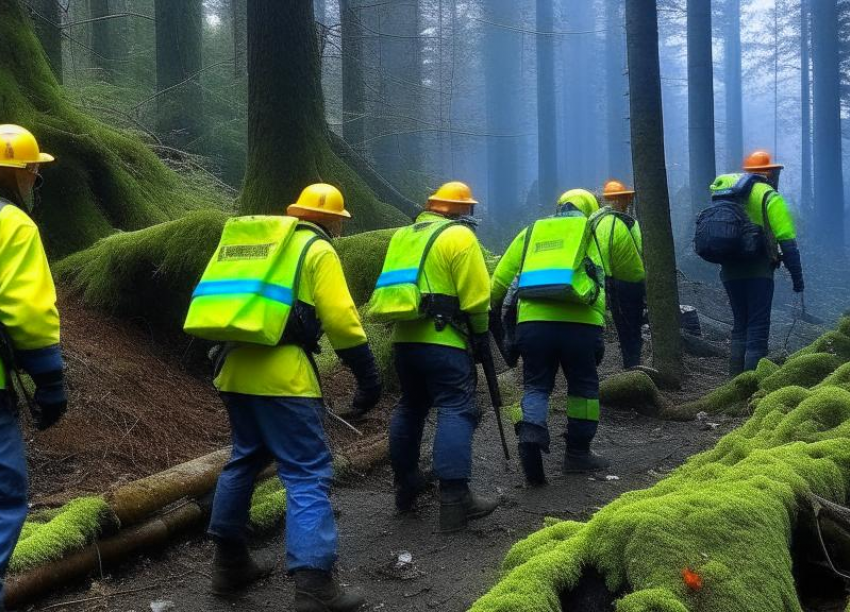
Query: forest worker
point(749, 284)
point(29, 326)
point(435, 287)
point(274, 402)
point(624, 271)
point(560, 323)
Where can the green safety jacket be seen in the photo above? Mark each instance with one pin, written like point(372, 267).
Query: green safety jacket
point(287, 370)
point(515, 262)
point(780, 221)
point(27, 293)
point(443, 261)
point(623, 251)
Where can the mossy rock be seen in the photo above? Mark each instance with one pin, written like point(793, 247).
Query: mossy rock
point(727, 514)
point(804, 371)
point(631, 391)
point(833, 342)
point(731, 398)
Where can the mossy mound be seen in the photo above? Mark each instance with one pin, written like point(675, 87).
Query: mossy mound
point(268, 505)
point(103, 179)
point(804, 371)
point(632, 391)
point(833, 342)
point(726, 516)
point(731, 398)
point(48, 536)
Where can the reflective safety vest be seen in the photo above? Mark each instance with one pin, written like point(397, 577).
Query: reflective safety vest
point(620, 245)
point(397, 296)
point(250, 285)
point(555, 264)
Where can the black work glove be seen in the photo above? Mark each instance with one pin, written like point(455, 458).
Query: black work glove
point(481, 347)
point(50, 401)
point(362, 364)
point(791, 259)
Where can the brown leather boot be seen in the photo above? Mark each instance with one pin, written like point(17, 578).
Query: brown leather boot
point(318, 591)
point(234, 569)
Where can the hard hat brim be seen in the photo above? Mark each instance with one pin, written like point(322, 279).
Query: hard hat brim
point(764, 167)
point(43, 158)
point(446, 201)
point(614, 194)
point(295, 207)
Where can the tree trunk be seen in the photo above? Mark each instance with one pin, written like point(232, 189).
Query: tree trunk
point(47, 19)
point(806, 108)
point(703, 168)
point(353, 78)
point(239, 15)
point(102, 39)
point(647, 121)
point(501, 53)
point(734, 100)
point(617, 86)
point(829, 183)
point(321, 11)
point(547, 146)
point(178, 64)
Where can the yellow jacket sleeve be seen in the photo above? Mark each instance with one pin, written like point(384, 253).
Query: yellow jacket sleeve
point(507, 269)
point(469, 272)
point(27, 294)
point(781, 221)
point(334, 305)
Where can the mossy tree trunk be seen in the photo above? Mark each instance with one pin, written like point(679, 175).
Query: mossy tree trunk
point(734, 96)
point(650, 170)
point(179, 27)
point(702, 167)
point(806, 190)
point(47, 19)
point(617, 86)
point(288, 140)
point(353, 83)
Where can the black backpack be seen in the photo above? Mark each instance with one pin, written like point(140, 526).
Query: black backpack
point(724, 232)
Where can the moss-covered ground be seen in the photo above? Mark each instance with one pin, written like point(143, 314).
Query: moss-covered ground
point(50, 534)
point(716, 533)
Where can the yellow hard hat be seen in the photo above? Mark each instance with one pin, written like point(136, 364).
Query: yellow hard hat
point(453, 193)
point(615, 189)
point(19, 148)
point(582, 199)
point(320, 198)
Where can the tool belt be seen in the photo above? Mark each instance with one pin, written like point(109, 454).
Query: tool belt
point(303, 328)
point(445, 311)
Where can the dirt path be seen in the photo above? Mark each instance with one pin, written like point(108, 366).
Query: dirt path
point(448, 572)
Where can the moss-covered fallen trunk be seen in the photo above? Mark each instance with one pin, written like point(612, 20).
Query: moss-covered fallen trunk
point(726, 516)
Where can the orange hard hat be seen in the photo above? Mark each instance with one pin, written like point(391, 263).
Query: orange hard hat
point(760, 161)
point(615, 189)
point(451, 196)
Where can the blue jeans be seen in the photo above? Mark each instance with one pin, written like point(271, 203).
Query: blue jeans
point(288, 430)
point(442, 378)
point(547, 347)
point(13, 484)
point(626, 302)
point(751, 300)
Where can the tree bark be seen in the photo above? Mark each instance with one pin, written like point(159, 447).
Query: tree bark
point(547, 145)
point(179, 28)
point(102, 39)
point(647, 127)
point(806, 108)
point(47, 19)
point(239, 16)
point(734, 100)
point(828, 173)
point(703, 168)
point(353, 78)
point(617, 86)
point(320, 9)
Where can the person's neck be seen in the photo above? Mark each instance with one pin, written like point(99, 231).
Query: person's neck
point(10, 196)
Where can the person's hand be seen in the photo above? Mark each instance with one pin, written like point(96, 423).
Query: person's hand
point(481, 347)
point(369, 386)
point(799, 285)
point(50, 403)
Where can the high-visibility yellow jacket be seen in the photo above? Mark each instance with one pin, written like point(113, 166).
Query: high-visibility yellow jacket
point(622, 247)
point(287, 371)
point(27, 293)
point(454, 267)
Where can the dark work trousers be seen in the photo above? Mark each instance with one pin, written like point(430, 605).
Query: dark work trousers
point(751, 300)
point(626, 301)
point(442, 378)
point(547, 347)
point(13, 484)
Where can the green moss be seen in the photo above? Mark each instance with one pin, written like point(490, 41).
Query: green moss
point(805, 371)
point(362, 258)
point(727, 514)
point(765, 368)
point(835, 342)
point(47, 537)
point(268, 505)
point(103, 179)
point(631, 391)
point(731, 398)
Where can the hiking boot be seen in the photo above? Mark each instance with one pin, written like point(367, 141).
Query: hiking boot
point(531, 459)
point(318, 591)
point(458, 507)
point(406, 494)
point(582, 462)
point(234, 569)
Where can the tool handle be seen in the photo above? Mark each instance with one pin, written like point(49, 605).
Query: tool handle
point(496, 396)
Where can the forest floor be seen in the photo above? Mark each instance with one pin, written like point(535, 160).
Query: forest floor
point(118, 371)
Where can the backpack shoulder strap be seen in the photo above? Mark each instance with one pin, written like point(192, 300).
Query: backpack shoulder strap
point(435, 233)
point(318, 234)
point(5, 203)
point(528, 232)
